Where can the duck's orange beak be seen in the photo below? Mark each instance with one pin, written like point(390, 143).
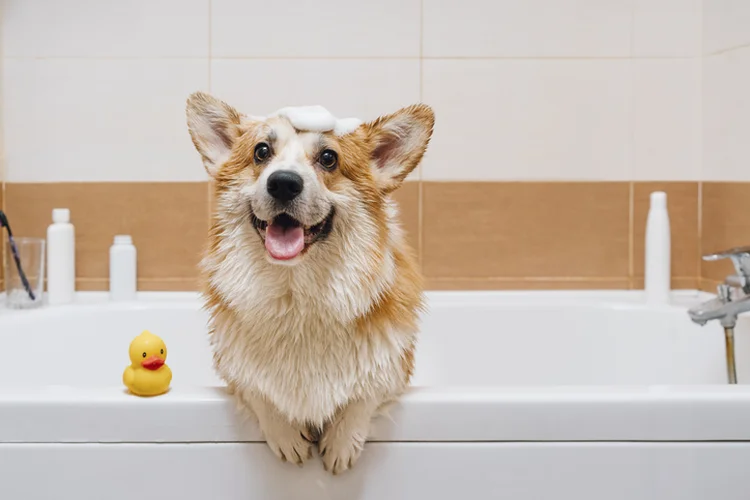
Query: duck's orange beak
point(152, 363)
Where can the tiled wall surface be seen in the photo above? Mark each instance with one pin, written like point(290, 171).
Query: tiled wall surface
point(726, 131)
point(555, 119)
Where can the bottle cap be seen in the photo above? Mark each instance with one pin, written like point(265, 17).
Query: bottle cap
point(60, 215)
point(658, 199)
point(123, 239)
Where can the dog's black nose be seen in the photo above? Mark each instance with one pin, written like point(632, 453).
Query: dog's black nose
point(284, 185)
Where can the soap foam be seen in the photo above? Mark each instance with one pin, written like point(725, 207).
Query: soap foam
point(317, 119)
point(346, 125)
point(308, 118)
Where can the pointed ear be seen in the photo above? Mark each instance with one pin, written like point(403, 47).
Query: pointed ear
point(214, 126)
point(400, 140)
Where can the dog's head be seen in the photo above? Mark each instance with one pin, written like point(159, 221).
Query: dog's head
point(300, 189)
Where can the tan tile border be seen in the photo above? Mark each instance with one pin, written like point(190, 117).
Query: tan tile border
point(631, 281)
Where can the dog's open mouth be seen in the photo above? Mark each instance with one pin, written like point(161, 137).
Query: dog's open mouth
point(285, 237)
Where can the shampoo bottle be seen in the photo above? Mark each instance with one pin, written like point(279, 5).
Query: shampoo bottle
point(122, 268)
point(658, 251)
point(61, 263)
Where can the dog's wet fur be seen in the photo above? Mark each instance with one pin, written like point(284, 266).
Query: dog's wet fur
point(315, 343)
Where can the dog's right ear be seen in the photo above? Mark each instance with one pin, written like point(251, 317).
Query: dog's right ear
point(214, 126)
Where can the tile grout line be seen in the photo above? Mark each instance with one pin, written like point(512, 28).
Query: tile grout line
point(354, 58)
point(631, 155)
point(532, 279)
point(210, 48)
point(148, 280)
point(209, 187)
point(699, 270)
point(420, 185)
point(726, 50)
point(631, 235)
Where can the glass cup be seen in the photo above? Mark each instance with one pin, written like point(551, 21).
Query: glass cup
point(24, 292)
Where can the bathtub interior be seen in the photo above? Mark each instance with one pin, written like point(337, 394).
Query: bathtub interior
point(467, 340)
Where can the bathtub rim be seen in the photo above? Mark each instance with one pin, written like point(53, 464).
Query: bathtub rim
point(447, 414)
point(439, 414)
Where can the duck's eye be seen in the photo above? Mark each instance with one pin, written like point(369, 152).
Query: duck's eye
point(328, 159)
point(262, 152)
point(162, 351)
point(144, 354)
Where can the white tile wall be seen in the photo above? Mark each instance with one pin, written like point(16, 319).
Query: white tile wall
point(667, 119)
point(532, 89)
point(528, 28)
point(362, 88)
point(105, 28)
point(322, 28)
point(667, 28)
point(99, 120)
point(726, 24)
point(726, 116)
point(502, 119)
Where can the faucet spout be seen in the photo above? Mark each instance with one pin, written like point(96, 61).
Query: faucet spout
point(726, 312)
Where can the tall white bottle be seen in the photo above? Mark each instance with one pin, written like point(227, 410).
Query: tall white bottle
point(61, 260)
point(658, 256)
point(122, 268)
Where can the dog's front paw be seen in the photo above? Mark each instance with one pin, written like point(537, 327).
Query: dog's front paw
point(342, 444)
point(288, 442)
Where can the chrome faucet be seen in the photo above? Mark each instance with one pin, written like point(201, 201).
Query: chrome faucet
point(732, 299)
point(733, 296)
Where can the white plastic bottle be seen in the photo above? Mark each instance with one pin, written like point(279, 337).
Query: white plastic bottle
point(122, 268)
point(61, 260)
point(658, 251)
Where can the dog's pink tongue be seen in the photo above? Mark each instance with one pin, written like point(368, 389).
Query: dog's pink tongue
point(284, 243)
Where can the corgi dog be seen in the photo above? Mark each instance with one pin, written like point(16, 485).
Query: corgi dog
point(313, 293)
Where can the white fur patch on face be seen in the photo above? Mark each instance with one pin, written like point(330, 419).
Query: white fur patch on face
point(293, 152)
point(317, 119)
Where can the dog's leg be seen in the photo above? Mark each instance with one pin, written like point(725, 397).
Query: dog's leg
point(290, 442)
point(343, 440)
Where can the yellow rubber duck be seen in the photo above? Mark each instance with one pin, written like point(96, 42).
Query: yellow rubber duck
point(148, 374)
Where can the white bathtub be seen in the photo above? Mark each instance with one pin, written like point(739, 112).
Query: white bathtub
point(538, 395)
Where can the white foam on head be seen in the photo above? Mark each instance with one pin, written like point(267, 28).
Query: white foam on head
point(308, 118)
point(346, 125)
point(317, 119)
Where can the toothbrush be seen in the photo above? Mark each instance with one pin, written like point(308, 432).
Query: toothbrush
point(14, 250)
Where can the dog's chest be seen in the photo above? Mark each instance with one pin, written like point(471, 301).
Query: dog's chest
point(306, 361)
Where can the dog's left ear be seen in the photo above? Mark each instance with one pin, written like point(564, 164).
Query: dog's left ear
point(400, 140)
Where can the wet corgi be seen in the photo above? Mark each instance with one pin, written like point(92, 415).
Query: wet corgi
point(314, 295)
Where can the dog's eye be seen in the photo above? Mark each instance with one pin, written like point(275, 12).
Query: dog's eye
point(328, 159)
point(262, 152)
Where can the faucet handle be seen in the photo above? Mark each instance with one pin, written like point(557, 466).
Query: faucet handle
point(729, 253)
point(740, 257)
